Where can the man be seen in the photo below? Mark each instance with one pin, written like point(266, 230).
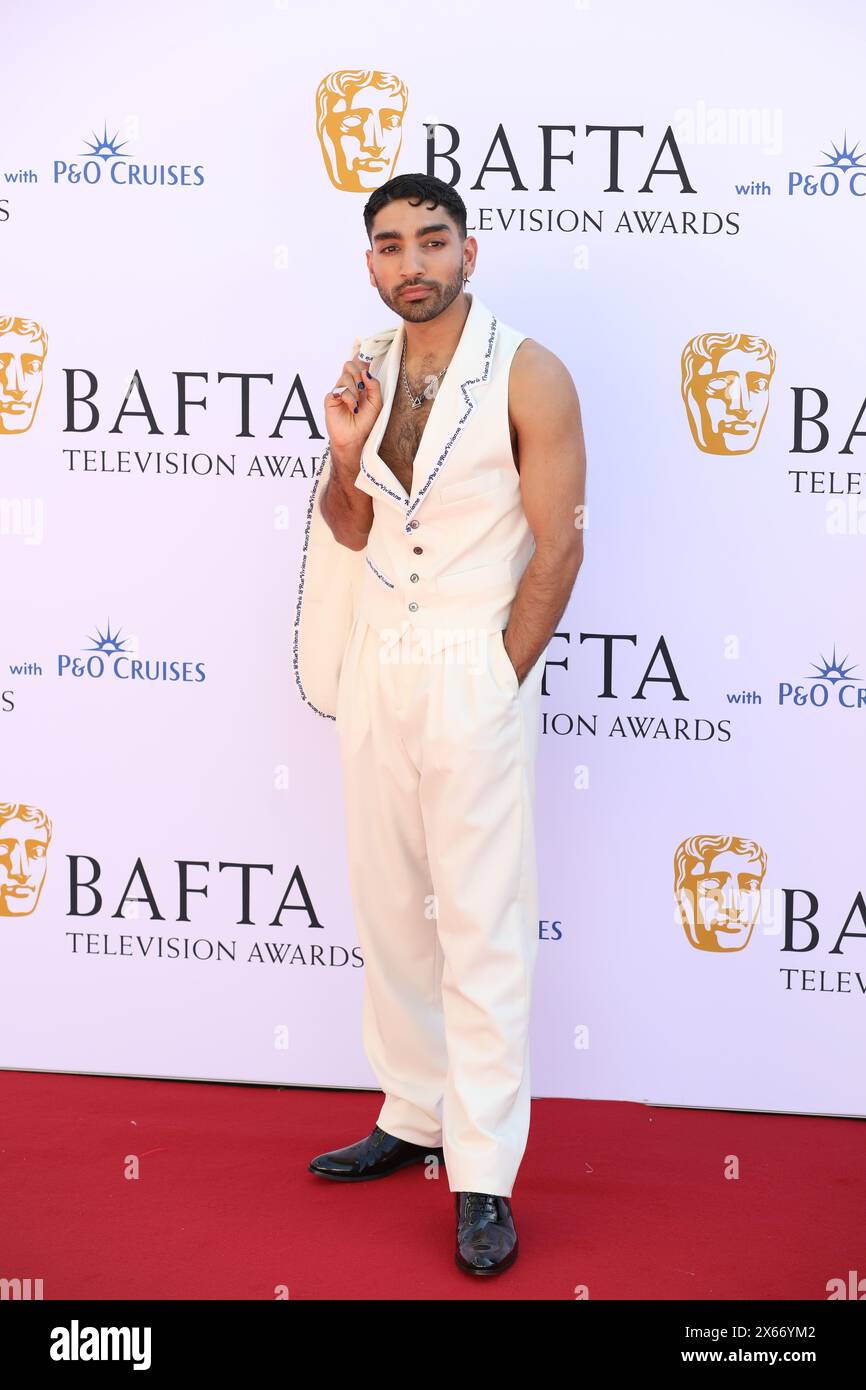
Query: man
point(458, 469)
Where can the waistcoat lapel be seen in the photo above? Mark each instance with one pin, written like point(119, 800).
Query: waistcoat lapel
point(450, 415)
point(375, 476)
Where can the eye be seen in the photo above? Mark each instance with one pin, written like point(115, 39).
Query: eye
point(385, 249)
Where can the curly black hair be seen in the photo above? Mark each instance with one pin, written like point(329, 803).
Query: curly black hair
point(424, 187)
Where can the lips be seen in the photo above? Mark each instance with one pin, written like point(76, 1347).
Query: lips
point(416, 292)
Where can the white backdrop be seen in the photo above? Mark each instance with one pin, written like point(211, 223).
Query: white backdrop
point(177, 544)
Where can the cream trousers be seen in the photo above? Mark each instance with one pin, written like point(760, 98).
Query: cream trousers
point(438, 760)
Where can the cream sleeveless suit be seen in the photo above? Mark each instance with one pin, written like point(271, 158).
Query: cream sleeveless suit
point(438, 744)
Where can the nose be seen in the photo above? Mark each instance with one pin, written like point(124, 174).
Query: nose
point(19, 866)
point(732, 899)
point(15, 379)
point(412, 269)
point(373, 139)
point(737, 397)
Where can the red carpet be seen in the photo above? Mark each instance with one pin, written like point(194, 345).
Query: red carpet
point(629, 1200)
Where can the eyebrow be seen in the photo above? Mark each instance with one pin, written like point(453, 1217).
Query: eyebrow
point(422, 231)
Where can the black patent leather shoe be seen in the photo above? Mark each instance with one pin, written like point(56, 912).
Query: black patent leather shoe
point(374, 1157)
point(486, 1238)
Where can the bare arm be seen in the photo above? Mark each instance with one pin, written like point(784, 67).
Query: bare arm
point(545, 410)
point(347, 510)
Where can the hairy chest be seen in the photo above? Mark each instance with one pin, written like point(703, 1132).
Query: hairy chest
point(403, 435)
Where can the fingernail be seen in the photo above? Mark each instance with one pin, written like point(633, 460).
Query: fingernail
point(355, 411)
point(360, 386)
point(368, 374)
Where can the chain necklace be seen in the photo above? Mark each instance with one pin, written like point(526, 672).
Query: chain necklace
point(417, 400)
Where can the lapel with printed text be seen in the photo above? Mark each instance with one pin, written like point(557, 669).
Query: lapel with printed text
point(450, 415)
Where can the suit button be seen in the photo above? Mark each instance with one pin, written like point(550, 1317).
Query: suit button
point(418, 549)
point(414, 578)
point(413, 607)
point(413, 525)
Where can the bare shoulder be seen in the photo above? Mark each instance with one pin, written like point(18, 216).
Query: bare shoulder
point(537, 374)
point(545, 410)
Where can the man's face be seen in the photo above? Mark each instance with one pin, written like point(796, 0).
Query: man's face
point(732, 395)
point(20, 381)
point(365, 130)
point(723, 901)
point(23, 850)
point(420, 247)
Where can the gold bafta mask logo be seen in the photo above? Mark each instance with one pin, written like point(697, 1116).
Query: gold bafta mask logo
point(25, 834)
point(717, 885)
point(23, 345)
point(726, 387)
point(359, 122)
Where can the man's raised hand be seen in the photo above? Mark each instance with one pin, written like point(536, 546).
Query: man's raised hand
point(352, 407)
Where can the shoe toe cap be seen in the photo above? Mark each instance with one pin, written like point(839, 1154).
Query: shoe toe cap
point(329, 1163)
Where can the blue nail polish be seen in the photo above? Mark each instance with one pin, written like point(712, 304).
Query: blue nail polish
point(355, 411)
